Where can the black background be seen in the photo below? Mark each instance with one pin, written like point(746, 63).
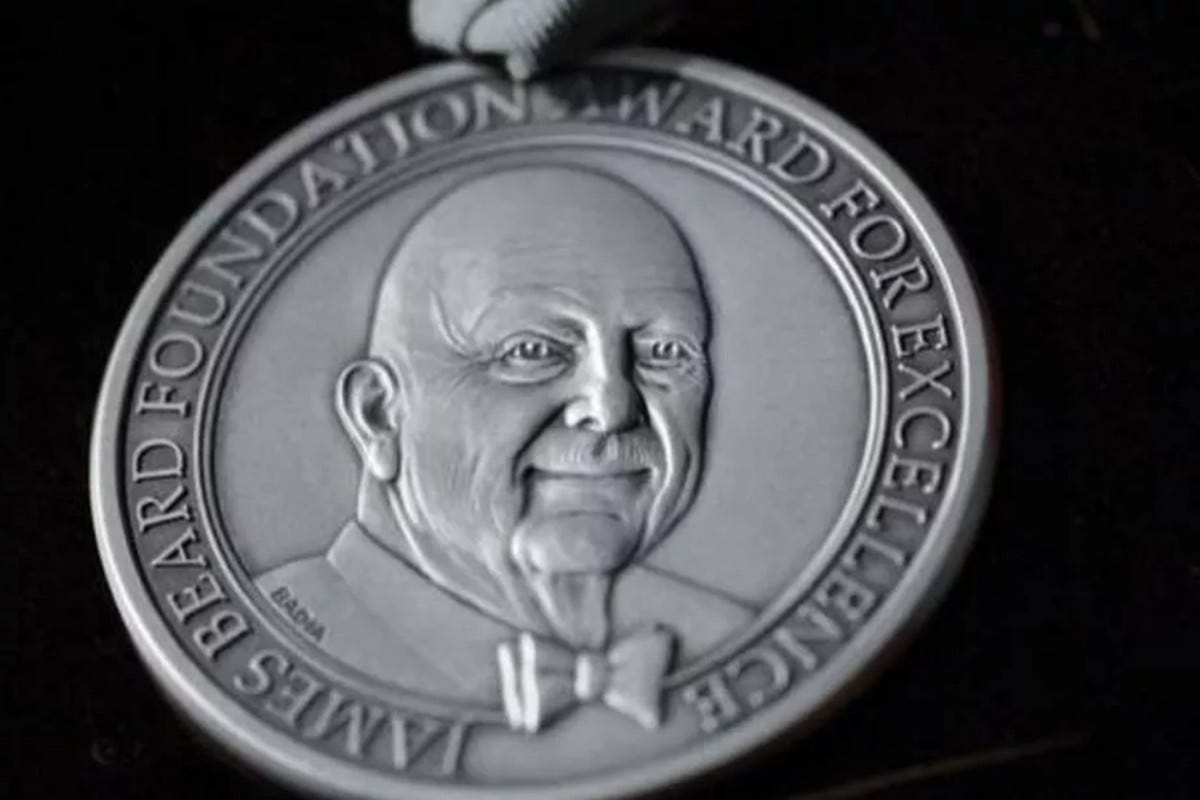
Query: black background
point(1058, 139)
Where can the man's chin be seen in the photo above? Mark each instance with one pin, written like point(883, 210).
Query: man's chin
point(574, 543)
point(569, 561)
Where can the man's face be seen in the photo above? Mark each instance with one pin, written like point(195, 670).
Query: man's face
point(555, 406)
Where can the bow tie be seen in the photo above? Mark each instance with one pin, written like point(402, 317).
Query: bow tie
point(541, 679)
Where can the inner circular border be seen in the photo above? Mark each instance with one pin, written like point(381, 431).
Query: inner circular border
point(950, 532)
point(790, 212)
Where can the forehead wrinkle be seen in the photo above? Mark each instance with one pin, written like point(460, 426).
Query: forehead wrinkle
point(673, 298)
point(692, 291)
point(446, 326)
point(557, 246)
point(500, 298)
point(511, 295)
point(554, 262)
point(534, 289)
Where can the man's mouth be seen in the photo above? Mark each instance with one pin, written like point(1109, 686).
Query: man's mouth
point(587, 488)
point(599, 470)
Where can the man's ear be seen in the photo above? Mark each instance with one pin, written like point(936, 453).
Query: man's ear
point(366, 398)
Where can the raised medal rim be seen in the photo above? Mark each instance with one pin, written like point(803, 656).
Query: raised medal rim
point(949, 538)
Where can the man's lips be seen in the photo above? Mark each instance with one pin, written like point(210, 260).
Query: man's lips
point(591, 489)
point(595, 471)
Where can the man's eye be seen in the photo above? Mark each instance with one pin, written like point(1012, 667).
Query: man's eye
point(530, 351)
point(664, 353)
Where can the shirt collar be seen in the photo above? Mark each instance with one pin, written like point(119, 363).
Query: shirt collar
point(458, 638)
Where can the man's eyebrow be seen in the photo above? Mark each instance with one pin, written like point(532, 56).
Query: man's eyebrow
point(514, 294)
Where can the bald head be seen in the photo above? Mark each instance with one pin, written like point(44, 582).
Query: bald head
point(537, 385)
point(524, 228)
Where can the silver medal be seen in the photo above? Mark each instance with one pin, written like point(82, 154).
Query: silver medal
point(559, 439)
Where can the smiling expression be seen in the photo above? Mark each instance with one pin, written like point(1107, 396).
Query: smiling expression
point(552, 364)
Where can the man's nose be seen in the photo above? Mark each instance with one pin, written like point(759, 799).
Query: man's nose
point(606, 400)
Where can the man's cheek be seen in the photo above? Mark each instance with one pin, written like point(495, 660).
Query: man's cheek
point(487, 427)
point(679, 415)
point(460, 409)
point(513, 414)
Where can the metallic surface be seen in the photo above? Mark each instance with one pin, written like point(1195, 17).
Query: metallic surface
point(588, 563)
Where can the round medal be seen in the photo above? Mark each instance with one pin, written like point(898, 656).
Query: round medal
point(565, 439)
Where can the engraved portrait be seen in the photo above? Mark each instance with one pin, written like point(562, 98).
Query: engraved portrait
point(489, 438)
point(528, 414)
